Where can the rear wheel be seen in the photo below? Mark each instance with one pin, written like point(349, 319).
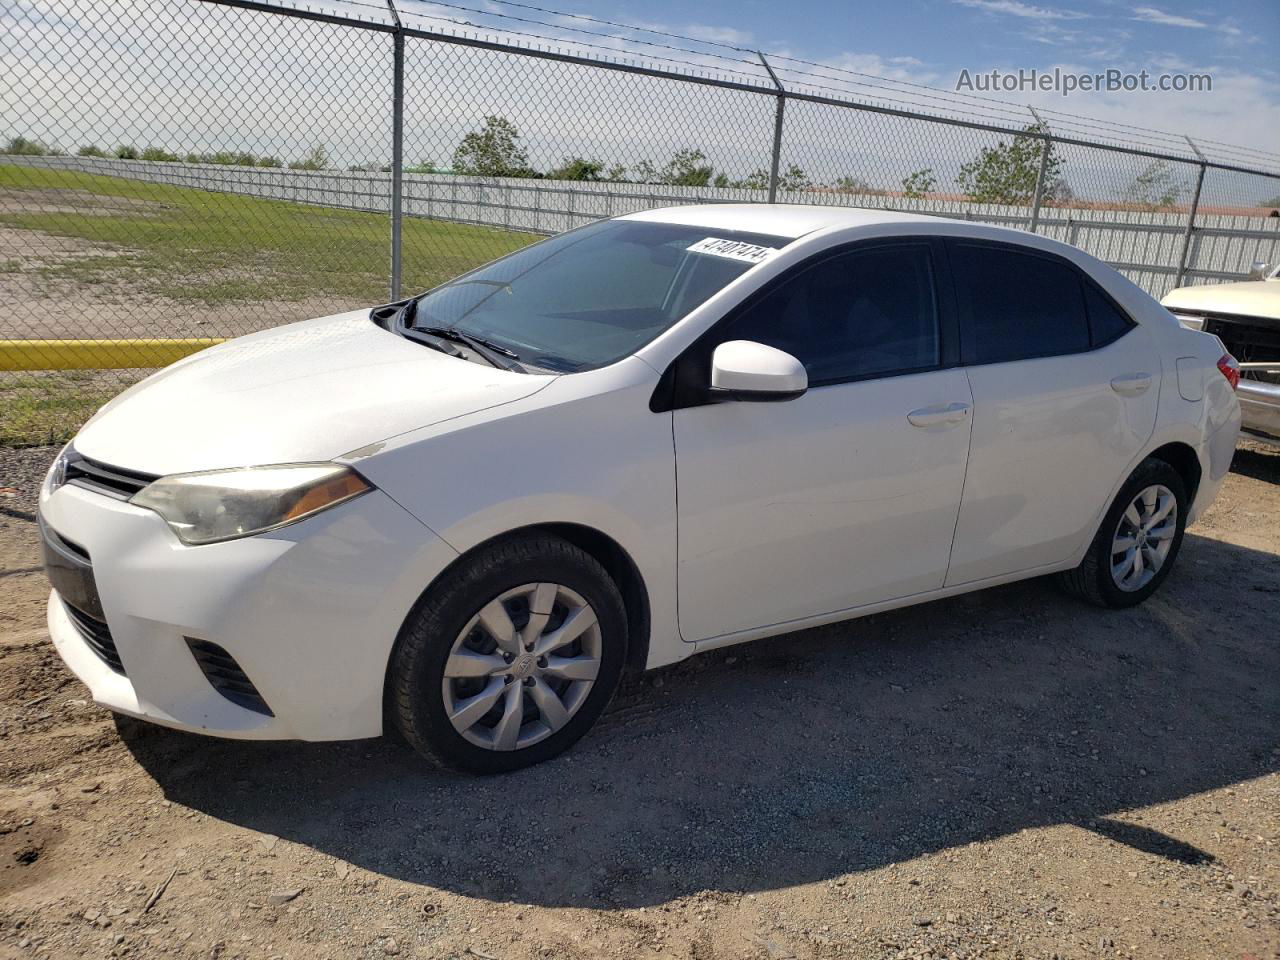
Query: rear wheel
point(510, 658)
point(1138, 541)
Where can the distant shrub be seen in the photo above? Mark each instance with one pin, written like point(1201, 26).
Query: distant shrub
point(317, 159)
point(24, 147)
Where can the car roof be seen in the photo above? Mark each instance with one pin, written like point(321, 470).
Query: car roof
point(780, 219)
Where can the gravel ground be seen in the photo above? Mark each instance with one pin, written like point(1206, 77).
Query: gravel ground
point(1004, 775)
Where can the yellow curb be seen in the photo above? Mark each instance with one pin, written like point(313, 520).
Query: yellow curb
point(97, 354)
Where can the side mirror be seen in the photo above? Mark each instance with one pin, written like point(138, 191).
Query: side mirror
point(1259, 269)
point(746, 370)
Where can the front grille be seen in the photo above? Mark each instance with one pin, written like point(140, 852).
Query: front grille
point(1249, 342)
point(97, 636)
point(226, 676)
point(100, 477)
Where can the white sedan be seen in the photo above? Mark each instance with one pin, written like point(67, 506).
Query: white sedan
point(461, 516)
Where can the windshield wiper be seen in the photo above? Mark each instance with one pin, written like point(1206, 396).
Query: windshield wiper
point(432, 341)
point(495, 353)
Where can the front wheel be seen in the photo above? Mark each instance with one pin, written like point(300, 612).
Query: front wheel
point(510, 658)
point(1138, 541)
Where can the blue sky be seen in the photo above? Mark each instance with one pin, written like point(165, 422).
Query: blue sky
point(196, 77)
point(930, 41)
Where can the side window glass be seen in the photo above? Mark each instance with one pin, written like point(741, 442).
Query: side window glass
point(1106, 321)
point(862, 314)
point(1015, 305)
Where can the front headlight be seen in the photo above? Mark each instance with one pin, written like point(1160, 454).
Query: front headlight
point(226, 504)
point(57, 474)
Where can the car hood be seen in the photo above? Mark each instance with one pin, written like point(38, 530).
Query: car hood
point(1249, 298)
point(303, 392)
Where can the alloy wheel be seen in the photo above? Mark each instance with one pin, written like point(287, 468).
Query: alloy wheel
point(1144, 537)
point(522, 667)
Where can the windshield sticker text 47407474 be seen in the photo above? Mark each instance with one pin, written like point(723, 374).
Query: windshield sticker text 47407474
point(732, 249)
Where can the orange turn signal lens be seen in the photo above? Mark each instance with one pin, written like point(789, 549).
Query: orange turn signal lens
point(326, 493)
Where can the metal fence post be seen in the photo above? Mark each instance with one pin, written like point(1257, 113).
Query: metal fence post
point(1038, 196)
point(397, 153)
point(1191, 218)
point(777, 130)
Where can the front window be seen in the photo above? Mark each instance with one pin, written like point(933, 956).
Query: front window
point(590, 297)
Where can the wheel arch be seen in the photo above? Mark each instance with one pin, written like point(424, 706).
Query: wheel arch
point(606, 551)
point(1184, 459)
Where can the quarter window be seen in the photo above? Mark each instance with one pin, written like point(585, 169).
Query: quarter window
point(1106, 322)
point(1015, 305)
point(861, 314)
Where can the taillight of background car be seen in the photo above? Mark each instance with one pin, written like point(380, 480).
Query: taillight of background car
point(1230, 369)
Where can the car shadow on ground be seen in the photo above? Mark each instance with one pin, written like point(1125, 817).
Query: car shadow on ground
point(809, 756)
point(1257, 460)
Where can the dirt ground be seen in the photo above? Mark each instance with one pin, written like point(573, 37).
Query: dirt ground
point(1005, 775)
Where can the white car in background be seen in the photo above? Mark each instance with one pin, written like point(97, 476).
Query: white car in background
point(1246, 317)
point(462, 515)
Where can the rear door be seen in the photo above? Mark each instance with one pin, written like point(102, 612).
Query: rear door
point(848, 494)
point(1065, 389)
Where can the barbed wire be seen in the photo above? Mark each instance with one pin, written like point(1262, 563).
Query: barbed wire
point(867, 88)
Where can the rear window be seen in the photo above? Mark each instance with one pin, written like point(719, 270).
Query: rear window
point(1015, 305)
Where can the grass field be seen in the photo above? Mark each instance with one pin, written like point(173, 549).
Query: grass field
point(150, 251)
point(215, 248)
point(47, 408)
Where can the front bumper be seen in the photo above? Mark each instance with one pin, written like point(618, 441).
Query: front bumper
point(1260, 408)
point(309, 612)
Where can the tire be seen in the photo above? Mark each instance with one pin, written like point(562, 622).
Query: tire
point(458, 617)
point(1095, 580)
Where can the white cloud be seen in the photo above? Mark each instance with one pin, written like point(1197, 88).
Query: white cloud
point(1242, 106)
point(1152, 15)
point(1157, 16)
point(733, 37)
point(1015, 8)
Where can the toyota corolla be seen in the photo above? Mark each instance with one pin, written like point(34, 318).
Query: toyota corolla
point(462, 516)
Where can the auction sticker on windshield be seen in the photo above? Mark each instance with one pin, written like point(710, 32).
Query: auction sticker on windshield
point(733, 250)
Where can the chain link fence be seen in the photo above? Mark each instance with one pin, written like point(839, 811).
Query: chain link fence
point(176, 172)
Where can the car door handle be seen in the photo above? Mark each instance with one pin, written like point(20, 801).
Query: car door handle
point(939, 415)
point(1131, 384)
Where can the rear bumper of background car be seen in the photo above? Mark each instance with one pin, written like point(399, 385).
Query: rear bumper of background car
point(1260, 408)
point(283, 635)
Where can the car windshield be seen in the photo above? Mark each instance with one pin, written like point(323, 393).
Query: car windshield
point(590, 297)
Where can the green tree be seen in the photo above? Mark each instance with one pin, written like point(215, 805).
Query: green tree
point(268, 162)
point(794, 178)
point(317, 159)
point(91, 150)
point(688, 168)
point(127, 152)
point(918, 183)
point(757, 180)
point(23, 147)
point(850, 184)
point(492, 151)
point(1156, 187)
point(578, 168)
point(1006, 173)
point(646, 172)
point(158, 153)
